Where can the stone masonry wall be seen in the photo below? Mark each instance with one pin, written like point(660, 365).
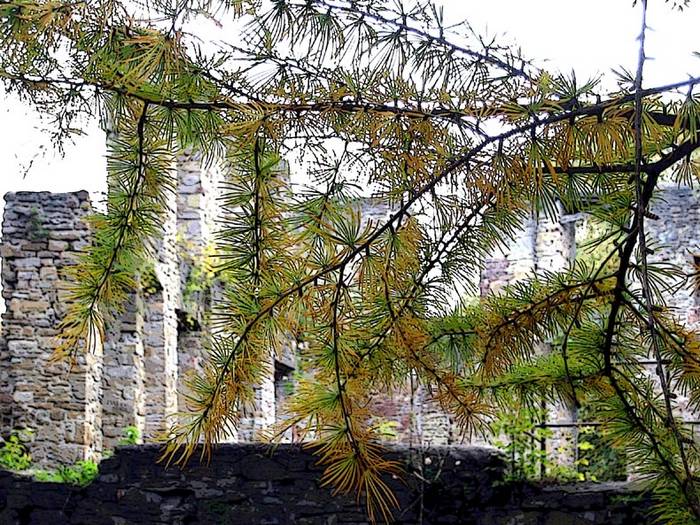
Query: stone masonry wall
point(124, 381)
point(147, 352)
point(161, 328)
point(196, 212)
point(675, 238)
point(41, 235)
point(544, 244)
point(254, 484)
point(76, 412)
point(410, 415)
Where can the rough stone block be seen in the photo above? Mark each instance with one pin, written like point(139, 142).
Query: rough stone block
point(23, 397)
point(57, 246)
point(27, 262)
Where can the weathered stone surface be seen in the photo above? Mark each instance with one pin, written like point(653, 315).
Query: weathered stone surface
point(60, 404)
point(254, 484)
point(147, 354)
point(137, 380)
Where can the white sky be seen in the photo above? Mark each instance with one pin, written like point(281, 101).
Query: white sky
point(593, 35)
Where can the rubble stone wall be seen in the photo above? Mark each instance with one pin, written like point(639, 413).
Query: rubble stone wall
point(254, 484)
point(124, 381)
point(196, 211)
point(42, 234)
point(136, 379)
point(673, 234)
point(149, 350)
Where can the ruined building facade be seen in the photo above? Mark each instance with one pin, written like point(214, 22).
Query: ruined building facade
point(133, 381)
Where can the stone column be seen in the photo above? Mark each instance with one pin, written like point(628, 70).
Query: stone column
point(675, 239)
point(555, 241)
point(257, 419)
point(555, 249)
point(543, 244)
point(513, 262)
point(124, 374)
point(196, 210)
point(161, 298)
point(41, 234)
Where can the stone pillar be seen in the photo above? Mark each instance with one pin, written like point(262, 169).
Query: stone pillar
point(543, 245)
point(555, 242)
point(513, 262)
point(198, 189)
point(41, 234)
point(675, 239)
point(124, 374)
point(257, 419)
point(161, 297)
point(555, 249)
point(196, 210)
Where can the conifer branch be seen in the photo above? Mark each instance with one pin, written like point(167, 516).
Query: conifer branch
point(430, 38)
point(640, 210)
point(364, 295)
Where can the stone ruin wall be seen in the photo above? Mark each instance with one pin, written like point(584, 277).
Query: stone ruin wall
point(551, 245)
point(42, 233)
point(546, 245)
point(134, 381)
point(76, 413)
point(675, 238)
point(543, 245)
point(253, 483)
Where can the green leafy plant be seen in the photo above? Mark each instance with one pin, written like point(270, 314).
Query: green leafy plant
point(81, 474)
point(150, 284)
point(602, 461)
point(387, 429)
point(14, 454)
point(523, 439)
point(130, 436)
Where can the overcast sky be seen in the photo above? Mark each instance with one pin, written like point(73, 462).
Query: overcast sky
point(593, 35)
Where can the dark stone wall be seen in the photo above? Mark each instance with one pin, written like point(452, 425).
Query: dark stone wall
point(252, 484)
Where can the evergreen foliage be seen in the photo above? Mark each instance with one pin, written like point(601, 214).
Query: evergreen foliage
point(460, 136)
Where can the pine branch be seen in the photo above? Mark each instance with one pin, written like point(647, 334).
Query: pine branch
point(644, 193)
point(438, 39)
point(257, 223)
point(357, 106)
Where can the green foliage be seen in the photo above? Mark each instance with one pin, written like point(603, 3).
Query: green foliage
point(130, 436)
point(524, 436)
point(289, 383)
point(603, 461)
point(525, 440)
point(81, 474)
point(14, 454)
point(387, 429)
point(199, 281)
point(461, 138)
point(150, 284)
